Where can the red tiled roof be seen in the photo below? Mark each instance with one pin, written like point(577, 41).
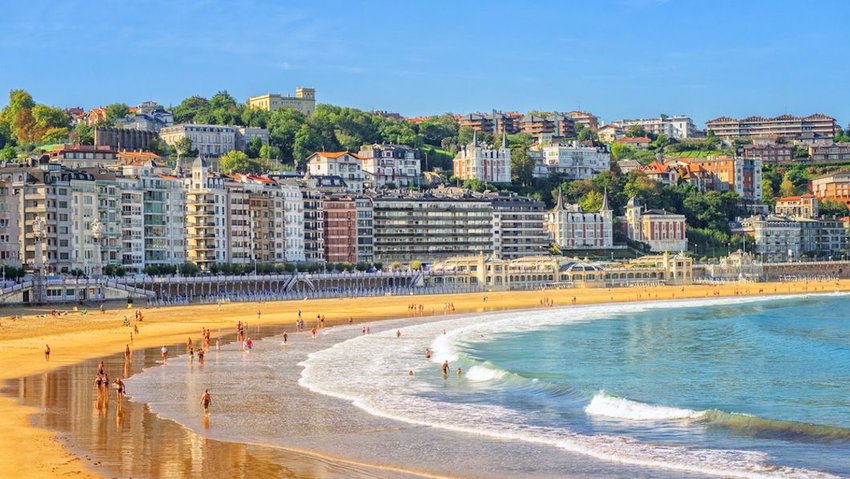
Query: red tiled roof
point(797, 198)
point(636, 139)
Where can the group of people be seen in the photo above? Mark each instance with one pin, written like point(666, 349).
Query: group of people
point(101, 381)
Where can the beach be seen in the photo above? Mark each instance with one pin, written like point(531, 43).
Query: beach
point(75, 338)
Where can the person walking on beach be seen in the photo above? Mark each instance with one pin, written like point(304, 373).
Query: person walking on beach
point(201, 356)
point(47, 352)
point(164, 352)
point(218, 344)
point(398, 333)
point(285, 337)
point(127, 352)
point(119, 388)
point(206, 400)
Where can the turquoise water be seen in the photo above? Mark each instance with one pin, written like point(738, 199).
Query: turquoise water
point(771, 377)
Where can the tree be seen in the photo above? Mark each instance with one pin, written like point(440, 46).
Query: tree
point(621, 151)
point(236, 162)
point(786, 188)
point(283, 126)
point(83, 134)
point(435, 129)
point(635, 131)
point(183, 147)
point(522, 166)
point(833, 208)
point(767, 195)
point(115, 112)
point(18, 100)
point(254, 146)
point(592, 201)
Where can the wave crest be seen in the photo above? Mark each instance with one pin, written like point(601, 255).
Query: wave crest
point(609, 406)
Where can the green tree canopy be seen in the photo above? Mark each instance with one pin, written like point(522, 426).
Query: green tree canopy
point(236, 162)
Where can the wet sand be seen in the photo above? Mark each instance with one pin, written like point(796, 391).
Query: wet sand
point(101, 442)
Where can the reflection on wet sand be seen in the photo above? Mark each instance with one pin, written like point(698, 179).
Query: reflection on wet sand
point(143, 445)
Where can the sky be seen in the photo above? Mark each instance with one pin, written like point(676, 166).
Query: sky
point(615, 58)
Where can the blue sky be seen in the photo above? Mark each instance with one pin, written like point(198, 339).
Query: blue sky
point(616, 58)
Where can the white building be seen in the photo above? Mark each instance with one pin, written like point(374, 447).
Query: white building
point(385, 164)
point(208, 140)
point(571, 159)
point(661, 230)
point(484, 162)
point(678, 126)
point(153, 204)
point(573, 228)
point(777, 238)
point(293, 218)
point(343, 164)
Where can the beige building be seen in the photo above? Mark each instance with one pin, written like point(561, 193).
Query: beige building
point(535, 272)
point(209, 140)
point(805, 206)
point(303, 101)
point(483, 162)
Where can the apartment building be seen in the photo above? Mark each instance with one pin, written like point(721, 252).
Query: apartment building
point(84, 156)
point(314, 224)
point(739, 174)
point(43, 190)
point(661, 230)
point(585, 119)
point(679, 127)
point(10, 225)
point(365, 229)
point(832, 186)
point(777, 238)
point(342, 164)
point(427, 227)
point(770, 153)
point(518, 226)
point(293, 220)
point(638, 143)
point(548, 128)
point(496, 123)
point(571, 159)
point(784, 126)
point(340, 229)
point(571, 227)
point(483, 162)
point(303, 101)
point(389, 164)
point(206, 217)
point(834, 153)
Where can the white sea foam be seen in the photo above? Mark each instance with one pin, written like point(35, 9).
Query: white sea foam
point(620, 408)
point(483, 373)
point(388, 392)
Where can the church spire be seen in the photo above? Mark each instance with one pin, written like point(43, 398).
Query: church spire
point(559, 206)
point(605, 206)
point(474, 137)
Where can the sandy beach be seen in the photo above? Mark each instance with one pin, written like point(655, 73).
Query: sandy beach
point(76, 337)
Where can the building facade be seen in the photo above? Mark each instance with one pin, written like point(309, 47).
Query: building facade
point(427, 227)
point(805, 206)
point(573, 228)
point(303, 101)
point(833, 186)
point(483, 162)
point(208, 140)
point(385, 165)
point(770, 153)
point(835, 153)
point(342, 164)
point(679, 127)
point(518, 226)
point(571, 159)
point(783, 126)
point(661, 230)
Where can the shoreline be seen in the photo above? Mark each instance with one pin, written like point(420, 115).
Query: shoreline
point(74, 341)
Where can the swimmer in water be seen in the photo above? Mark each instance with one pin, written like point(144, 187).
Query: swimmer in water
point(445, 368)
point(459, 372)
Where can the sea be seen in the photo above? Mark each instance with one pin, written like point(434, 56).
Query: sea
point(721, 387)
